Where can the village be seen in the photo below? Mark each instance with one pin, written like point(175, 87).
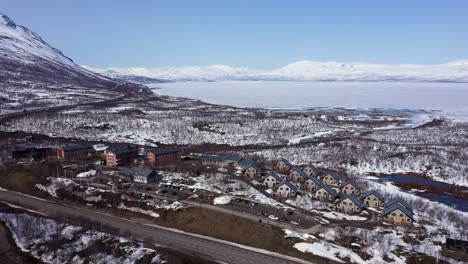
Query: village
point(134, 169)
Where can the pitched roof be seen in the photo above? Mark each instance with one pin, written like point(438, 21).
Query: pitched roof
point(364, 195)
point(285, 161)
point(300, 171)
point(354, 199)
point(314, 179)
point(312, 167)
point(352, 182)
point(163, 151)
point(329, 190)
point(408, 212)
point(251, 165)
point(398, 201)
point(288, 183)
point(334, 175)
point(143, 172)
point(77, 147)
point(274, 175)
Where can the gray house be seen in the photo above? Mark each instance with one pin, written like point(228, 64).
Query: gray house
point(142, 175)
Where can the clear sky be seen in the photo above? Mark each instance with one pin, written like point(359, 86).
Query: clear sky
point(261, 34)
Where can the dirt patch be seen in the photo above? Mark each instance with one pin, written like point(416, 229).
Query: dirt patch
point(235, 229)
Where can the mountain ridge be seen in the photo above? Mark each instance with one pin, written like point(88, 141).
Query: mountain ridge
point(455, 71)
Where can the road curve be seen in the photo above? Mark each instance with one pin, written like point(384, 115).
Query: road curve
point(216, 249)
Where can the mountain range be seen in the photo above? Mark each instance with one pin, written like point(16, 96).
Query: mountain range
point(456, 71)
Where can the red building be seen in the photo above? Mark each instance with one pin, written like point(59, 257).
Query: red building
point(75, 152)
point(121, 156)
point(164, 157)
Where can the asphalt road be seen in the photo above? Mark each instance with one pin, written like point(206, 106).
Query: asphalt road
point(219, 250)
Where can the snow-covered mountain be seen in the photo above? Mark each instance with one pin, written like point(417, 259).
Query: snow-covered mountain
point(31, 70)
point(305, 71)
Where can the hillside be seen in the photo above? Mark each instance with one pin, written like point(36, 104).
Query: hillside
point(35, 74)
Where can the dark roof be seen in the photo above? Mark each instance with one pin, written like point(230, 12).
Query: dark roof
point(398, 201)
point(300, 171)
point(288, 183)
point(221, 158)
point(274, 175)
point(354, 199)
point(77, 147)
point(163, 151)
point(138, 172)
point(139, 158)
point(352, 182)
point(334, 175)
point(329, 190)
point(408, 212)
point(312, 167)
point(364, 195)
point(285, 161)
point(251, 165)
point(247, 162)
point(314, 179)
point(124, 150)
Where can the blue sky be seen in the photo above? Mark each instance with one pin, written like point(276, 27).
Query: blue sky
point(257, 33)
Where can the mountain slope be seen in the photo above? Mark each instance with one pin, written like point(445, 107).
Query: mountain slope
point(306, 71)
point(35, 74)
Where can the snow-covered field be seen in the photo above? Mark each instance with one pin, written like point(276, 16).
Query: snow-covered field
point(449, 97)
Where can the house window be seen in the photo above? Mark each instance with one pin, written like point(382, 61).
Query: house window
point(281, 188)
point(393, 214)
point(375, 199)
point(401, 215)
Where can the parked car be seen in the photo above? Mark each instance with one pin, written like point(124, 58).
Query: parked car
point(273, 217)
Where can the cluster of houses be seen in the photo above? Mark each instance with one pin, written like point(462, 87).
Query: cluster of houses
point(329, 187)
point(123, 155)
point(288, 180)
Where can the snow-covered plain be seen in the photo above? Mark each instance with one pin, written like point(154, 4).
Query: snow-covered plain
point(451, 98)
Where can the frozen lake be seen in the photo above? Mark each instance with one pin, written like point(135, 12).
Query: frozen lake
point(451, 97)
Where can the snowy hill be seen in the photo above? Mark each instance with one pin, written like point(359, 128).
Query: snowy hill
point(306, 71)
point(32, 72)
